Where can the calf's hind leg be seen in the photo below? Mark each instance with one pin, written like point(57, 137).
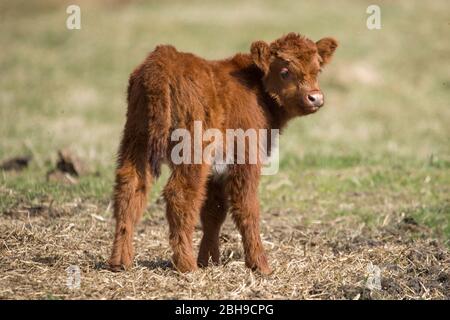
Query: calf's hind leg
point(242, 187)
point(130, 197)
point(184, 195)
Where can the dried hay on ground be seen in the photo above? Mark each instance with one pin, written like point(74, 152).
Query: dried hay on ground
point(321, 261)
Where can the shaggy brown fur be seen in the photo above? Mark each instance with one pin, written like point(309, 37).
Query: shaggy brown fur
point(171, 89)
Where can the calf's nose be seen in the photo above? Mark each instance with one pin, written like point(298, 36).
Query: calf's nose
point(315, 99)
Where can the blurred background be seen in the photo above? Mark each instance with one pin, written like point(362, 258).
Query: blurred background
point(379, 148)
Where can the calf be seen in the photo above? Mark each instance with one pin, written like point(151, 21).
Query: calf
point(262, 89)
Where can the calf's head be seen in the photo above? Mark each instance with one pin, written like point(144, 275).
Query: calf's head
point(291, 66)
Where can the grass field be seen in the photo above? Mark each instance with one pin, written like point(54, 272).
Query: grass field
point(365, 180)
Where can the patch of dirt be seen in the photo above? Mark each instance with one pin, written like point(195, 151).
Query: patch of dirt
point(68, 168)
point(59, 176)
point(39, 244)
point(16, 163)
point(70, 163)
point(48, 210)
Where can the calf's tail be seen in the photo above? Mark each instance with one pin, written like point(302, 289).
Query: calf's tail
point(149, 110)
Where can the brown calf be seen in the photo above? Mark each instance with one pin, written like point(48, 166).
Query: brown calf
point(261, 90)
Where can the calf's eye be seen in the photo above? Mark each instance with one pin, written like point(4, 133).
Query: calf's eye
point(284, 73)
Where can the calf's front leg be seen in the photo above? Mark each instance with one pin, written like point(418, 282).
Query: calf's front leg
point(212, 217)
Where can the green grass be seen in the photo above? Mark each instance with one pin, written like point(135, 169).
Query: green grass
point(379, 147)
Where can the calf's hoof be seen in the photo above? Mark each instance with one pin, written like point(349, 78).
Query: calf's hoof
point(259, 265)
point(208, 254)
point(184, 265)
point(122, 263)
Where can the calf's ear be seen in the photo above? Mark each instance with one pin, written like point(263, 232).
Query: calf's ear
point(260, 52)
point(326, 48)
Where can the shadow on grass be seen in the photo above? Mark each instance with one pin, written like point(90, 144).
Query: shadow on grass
point(157, 263)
